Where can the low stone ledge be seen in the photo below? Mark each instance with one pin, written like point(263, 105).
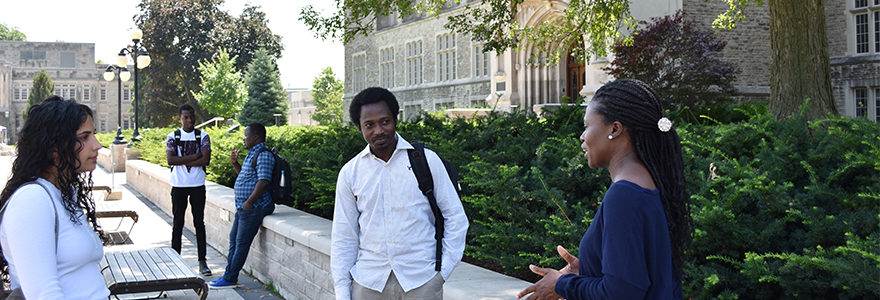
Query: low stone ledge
point(293, 248)
point(105, 159)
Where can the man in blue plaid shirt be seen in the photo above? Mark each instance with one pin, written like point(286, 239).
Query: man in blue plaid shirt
point(252, 201)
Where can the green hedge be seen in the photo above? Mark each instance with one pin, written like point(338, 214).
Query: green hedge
point(782, 210)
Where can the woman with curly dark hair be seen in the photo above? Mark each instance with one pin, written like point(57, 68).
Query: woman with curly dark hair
point(634, 247)
point(49, 235)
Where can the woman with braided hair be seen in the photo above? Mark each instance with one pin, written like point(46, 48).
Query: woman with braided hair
point(634, 247)
point(49, 235)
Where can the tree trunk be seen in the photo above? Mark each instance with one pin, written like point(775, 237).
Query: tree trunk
point(800, 67)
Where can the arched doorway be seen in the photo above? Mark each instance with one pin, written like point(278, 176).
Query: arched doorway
point(574, 75)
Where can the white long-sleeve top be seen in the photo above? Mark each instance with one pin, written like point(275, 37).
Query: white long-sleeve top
point(27, 235)
point(382, 222)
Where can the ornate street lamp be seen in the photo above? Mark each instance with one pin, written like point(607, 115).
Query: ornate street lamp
point(141, 60)
point(124, 75)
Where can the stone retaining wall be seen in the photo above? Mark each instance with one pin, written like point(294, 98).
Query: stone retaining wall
point(292, 251)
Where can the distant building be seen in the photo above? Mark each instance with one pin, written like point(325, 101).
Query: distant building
point(73, 71)
point(301, 107)
point(430, 68)
point(853, 29)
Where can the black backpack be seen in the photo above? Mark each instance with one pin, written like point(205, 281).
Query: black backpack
point(426, 184)
point(281, 185)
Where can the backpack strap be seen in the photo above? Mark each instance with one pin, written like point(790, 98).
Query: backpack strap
point(257, 156)
point(419, 163)
point(54, 209)
point(198, 140)
point(177, 140)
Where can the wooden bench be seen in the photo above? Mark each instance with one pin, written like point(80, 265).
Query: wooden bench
point(149, 270)
point(105, 209)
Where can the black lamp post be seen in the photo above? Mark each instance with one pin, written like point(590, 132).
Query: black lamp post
point(141, 60)
point(124, 75)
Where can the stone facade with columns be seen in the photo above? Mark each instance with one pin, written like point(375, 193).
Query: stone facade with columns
point(429, 68)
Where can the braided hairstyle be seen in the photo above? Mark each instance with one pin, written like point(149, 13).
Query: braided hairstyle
point(637, 107)
point(51, 126)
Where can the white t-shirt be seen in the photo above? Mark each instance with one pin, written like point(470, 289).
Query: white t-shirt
point(183, 176)
point(27, 235)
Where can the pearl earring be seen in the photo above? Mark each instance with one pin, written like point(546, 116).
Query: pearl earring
point(610, 136)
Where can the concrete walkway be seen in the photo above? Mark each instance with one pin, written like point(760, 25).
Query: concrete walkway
point(153, 229)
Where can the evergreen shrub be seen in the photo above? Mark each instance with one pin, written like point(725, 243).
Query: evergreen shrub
point(782, 209)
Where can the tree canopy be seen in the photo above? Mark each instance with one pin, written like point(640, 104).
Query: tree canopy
point(266, 95)
point(180, 34)
point(601, 22)
point(9, 33)
point(679, 60)
point(327, 95)
point(223, 91)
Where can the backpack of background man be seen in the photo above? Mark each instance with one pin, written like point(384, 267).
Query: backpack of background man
point(179, 145)
point(280, 186)
point(420, 168)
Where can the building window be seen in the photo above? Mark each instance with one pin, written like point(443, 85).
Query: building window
point(411, 111)
point(862, 33)
point(126, 121)
point(103, 96)
point(861, 103)
point(18, 122)
point(387, 65)
point(877, 31)
point(103, 122)
point(20, 92)
point(126, 93)
point(360, 72)
point(32, 55)
point(861, 3)
point(446, 57)
point(87, 93)
point(478, 103)
point(68, 59)
point(441, 106)
point(414, 63)
point(481, 61)
point(876, 104)
point(66, 91)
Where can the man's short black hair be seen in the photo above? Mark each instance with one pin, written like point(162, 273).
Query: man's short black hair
point(370, 96)
point(258, 129)
point(185, 107)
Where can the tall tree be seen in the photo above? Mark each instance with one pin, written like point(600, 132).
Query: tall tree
point(43, 88)
point(266, 95)
point(800, 65)
point(9, 33)
point(223, 91)
point(181, 33)
point(327, 95)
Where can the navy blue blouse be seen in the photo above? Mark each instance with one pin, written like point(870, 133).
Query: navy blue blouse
point(625, 253)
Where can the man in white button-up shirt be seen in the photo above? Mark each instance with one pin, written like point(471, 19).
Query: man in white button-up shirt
point(383, 244)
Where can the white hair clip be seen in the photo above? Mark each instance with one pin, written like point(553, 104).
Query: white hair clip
point(664, 124)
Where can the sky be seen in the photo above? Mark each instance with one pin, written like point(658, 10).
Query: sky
point(107, 23)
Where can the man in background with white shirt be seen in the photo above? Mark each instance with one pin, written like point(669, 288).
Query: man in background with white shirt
point(383, 244)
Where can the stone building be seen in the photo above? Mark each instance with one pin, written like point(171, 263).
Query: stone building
point(853, 29)
point(73, 71)
point(301, 107)
point(430, 68)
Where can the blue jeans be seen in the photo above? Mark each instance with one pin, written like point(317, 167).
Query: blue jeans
point(244, 229)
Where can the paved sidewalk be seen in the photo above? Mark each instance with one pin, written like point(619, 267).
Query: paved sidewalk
point(153, 229)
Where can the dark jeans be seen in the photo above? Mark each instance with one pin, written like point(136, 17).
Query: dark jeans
point(244, 229)
point(196, 196)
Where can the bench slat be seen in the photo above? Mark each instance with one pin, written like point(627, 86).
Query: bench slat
point(160, 263)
